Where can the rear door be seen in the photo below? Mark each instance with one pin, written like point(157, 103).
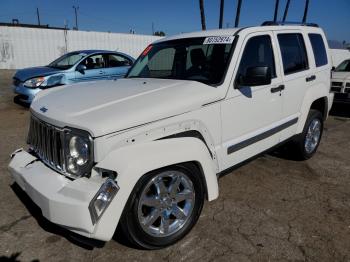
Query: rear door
point(117, 65)
point(251, 114)
point(297, 77)
point(95, 69)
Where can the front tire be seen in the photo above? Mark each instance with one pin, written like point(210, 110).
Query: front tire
point(307, 142)
point(163, 207)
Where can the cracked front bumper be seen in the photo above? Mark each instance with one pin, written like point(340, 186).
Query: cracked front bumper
point(62, 201)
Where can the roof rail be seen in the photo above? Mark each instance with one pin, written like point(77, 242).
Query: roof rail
point(269, 23)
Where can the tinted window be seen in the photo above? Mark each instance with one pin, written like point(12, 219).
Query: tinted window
point(258, 52)
point(319, 49)
point(293, 51)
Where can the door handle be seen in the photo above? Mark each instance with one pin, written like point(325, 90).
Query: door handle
point(310, 78)
point(277, 89)
point(101, 72)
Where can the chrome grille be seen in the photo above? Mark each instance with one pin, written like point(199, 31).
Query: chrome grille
point(46, 141)
point(338, 84)
point(336, 89)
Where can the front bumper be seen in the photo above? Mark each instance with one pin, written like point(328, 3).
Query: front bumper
point(62, 201)
point(26, 95)
point(342, 98)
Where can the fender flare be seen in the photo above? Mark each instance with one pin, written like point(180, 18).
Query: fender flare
point(311, 96)
point(134, 161)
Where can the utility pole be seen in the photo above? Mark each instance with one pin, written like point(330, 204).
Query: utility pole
point(38, 15)
point(238, 13)
point(222, 3)
point(305, 11)
point(286, 11)
point(76, 8)
point(276, 11)
point(201, 9)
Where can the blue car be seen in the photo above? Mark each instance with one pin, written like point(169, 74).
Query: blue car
point(73, 67)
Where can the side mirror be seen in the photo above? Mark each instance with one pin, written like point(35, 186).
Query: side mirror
point(333, 68)
point(81, 68)
point(255, 76)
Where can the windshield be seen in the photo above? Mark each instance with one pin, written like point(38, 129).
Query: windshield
point(198, 59)
point(343, 67)
point(67, 61)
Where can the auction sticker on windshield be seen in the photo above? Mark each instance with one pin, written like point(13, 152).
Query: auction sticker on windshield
point(218, 40)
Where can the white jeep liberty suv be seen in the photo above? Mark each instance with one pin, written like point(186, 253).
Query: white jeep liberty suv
point(145, 152)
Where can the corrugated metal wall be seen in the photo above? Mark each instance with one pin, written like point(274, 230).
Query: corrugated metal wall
point(25, 47)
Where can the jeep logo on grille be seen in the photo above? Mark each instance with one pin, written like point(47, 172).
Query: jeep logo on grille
point(43, 109)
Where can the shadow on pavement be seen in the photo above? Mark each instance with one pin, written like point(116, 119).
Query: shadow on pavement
point(48, 226)
point(341, 110)
point(14, 258)
point(17, 100)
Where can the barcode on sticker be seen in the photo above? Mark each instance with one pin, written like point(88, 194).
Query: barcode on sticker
point(218, 40)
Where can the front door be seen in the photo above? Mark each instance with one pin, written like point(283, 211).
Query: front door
point(95, 69)
point(251, 115)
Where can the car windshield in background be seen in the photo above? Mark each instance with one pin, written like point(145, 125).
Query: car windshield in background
point(343, 67)
point(67, 61)
point(198, 59)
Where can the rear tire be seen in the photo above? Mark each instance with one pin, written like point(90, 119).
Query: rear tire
point(306, 144)
point(163, 207)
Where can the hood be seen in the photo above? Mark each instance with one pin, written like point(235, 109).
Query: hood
point(103, 107)
point(27, 73)
point(341, 75)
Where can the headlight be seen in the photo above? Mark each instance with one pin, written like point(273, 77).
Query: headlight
point(102, 199)
point(45, 82)
point(79, 152)
point(34, 82)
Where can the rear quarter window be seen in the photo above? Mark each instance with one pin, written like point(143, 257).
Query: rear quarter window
point(319, 49)
point(293, 52)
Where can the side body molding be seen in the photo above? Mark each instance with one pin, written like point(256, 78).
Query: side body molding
point(133, 161)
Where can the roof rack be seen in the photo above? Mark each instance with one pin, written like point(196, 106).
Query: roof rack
point(270, 23)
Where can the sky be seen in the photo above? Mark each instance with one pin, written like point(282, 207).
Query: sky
point(173, 17)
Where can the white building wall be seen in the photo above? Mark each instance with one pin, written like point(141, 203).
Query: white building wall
point(339, 55)
point(25, 47)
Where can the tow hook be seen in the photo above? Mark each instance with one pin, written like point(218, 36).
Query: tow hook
point(15, 152)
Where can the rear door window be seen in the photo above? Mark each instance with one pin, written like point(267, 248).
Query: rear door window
point(319, 49)
point(293, 51)
point(115, 60)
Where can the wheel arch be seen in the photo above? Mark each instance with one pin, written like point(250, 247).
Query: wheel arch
point(133, 162)
point(312, 100)
point(321, 104)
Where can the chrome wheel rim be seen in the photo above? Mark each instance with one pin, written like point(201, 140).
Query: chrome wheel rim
point(313, 136)
point(166, 203)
